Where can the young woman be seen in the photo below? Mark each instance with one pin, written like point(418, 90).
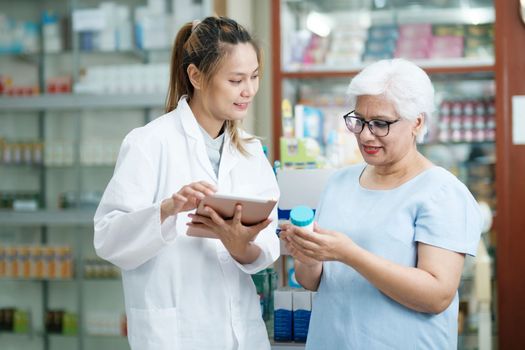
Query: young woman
point(185, 292)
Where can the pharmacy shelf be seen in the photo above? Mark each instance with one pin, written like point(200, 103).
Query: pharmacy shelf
point(47, 217)
point(457, 143)
point(343, 9)
point(40, 333)
point(418, 14)
point(432, 66)
point(39, 280)
point(287, 346)
point(31, 334)
point(106, 336)
point(69, 102)
point(99, 279)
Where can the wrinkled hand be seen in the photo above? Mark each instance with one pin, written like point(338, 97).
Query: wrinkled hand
point(186, 199)
point(233, 234)
point(287, 232)
point(322, 245)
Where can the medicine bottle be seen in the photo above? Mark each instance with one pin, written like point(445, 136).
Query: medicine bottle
point(302, 216)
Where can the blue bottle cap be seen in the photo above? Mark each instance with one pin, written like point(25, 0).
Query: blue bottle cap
point(301, 215)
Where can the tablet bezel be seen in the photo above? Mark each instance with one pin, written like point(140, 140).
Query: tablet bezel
point(254, 211)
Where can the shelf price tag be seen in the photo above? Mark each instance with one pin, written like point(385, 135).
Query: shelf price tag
point(88, 20)
point(518, 120)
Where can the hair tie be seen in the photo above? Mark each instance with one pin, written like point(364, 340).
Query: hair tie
point(194, 24)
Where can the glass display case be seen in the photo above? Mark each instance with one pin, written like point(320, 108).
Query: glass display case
point(342, 36)
point(320, 45)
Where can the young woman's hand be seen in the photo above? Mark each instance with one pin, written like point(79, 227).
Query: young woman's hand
point(236, 237)
point(186, 199)
point(321, 245)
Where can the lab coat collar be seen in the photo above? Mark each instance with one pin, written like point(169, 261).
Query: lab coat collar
point(194, 136)
point(188, 120)
point(229, 156)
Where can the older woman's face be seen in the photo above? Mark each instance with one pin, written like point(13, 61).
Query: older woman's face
point(386, 150)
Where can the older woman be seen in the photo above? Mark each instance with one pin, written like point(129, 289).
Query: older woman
point(388, 250)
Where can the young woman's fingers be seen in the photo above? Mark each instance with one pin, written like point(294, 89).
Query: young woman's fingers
point(216, 218)
point(203, 187)
point(237, 215)
point(209, 186)
point(179, 197)
point(178, 202)
point(190, 192)
point(201, 219)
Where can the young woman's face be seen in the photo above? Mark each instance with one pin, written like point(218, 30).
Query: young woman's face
point(230, 92)
point(389, 149)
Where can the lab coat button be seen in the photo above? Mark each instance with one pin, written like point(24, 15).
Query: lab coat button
point(224, 256)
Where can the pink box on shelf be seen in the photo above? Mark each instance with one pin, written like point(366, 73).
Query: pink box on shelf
point(448, 53)
point(415, 53)
point(447, 47)
point(415, 30)
point(443, 42)
point(413, 44)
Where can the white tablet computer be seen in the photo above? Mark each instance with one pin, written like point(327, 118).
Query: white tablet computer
point(254, 210)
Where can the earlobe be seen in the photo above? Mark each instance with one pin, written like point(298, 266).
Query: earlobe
point(195, 76)
point(418, 125)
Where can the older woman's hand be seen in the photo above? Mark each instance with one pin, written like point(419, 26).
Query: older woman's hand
point(287, 232)
point(321, 245)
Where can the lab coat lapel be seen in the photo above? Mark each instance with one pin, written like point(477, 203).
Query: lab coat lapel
point(195, 139)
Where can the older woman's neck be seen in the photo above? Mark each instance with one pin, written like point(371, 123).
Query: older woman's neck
point(408, 166)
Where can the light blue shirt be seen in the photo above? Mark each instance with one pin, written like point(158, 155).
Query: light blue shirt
point(213, 148)
point(348, 311)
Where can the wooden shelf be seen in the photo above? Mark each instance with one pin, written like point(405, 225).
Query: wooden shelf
point(442, 66)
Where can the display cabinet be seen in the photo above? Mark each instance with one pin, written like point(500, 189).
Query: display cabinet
point(319, 46)
point(75, 77)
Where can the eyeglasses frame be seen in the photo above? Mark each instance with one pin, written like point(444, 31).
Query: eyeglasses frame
point(353, 115)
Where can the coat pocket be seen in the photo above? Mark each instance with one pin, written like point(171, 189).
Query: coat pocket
point(256, 336)
point(153, 329)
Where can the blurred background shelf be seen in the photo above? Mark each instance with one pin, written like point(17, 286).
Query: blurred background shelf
point(431, 66)
point(74, 102)
point(47, 217)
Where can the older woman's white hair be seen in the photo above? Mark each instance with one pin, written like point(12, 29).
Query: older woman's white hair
point(401, 82)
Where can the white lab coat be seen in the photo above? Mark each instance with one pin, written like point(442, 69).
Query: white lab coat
point(182, 292)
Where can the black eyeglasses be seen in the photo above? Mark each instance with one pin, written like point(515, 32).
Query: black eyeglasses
point(377, 127)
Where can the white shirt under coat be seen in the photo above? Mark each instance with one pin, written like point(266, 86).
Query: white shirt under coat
point(182, 292)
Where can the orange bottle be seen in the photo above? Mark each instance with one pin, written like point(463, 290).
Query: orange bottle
point(11, 262)
point(23, 262)
point(37, 270)
point(49, 262)
point(2, 261)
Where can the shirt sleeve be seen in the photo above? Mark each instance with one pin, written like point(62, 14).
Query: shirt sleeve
point(267, 239)
point(450, 219)
point(128, 230)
